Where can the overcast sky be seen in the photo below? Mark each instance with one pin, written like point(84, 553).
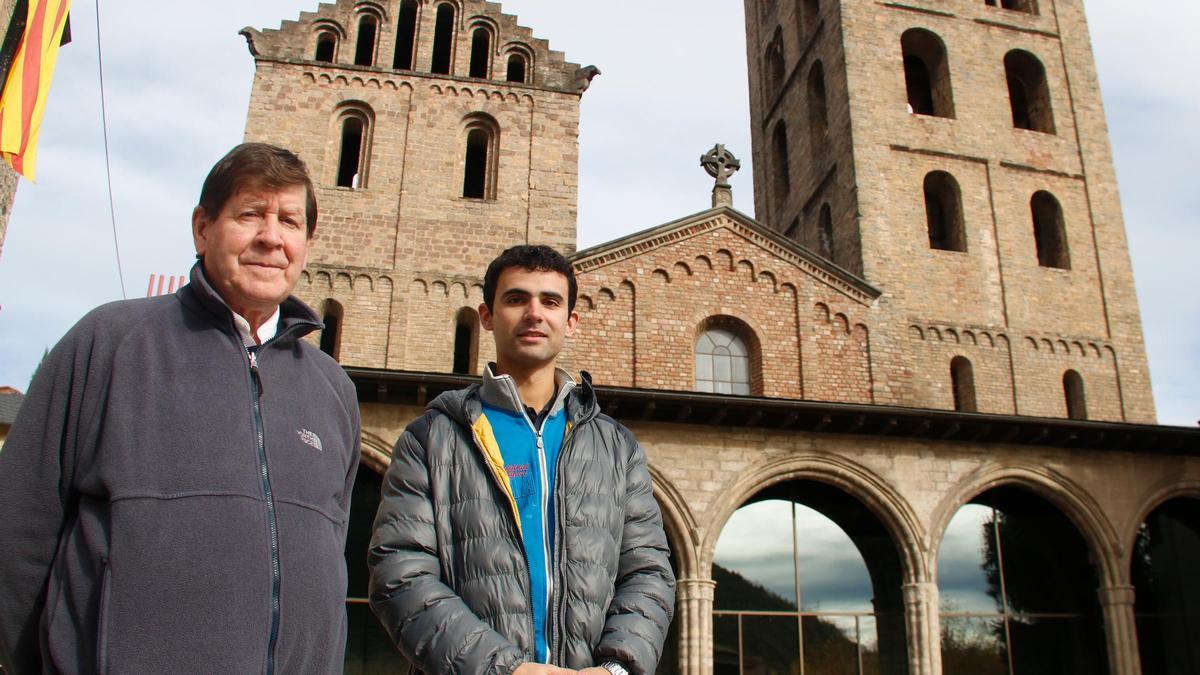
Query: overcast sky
point(178, 78)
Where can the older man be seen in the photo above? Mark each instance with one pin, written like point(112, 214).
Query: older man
point(174, 494)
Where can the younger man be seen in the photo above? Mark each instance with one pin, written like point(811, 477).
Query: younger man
point(518, 531)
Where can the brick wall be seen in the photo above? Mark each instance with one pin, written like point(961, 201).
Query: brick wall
point(403, 250)
point(996, 286)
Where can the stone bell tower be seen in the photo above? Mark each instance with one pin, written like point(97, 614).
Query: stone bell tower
point(438, 133)
point(955, 155)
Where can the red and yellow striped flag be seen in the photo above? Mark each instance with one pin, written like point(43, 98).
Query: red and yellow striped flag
point(24, 97)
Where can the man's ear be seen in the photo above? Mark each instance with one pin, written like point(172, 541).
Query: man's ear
point(485, 316)
point(199, 227)
point(572, 323)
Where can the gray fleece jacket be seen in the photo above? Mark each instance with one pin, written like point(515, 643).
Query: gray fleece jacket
point(449, 574)
point(163, 508)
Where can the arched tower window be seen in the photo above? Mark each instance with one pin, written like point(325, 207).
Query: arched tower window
point(354, 128)
point(406, 35)
point(926, 73)
point(1028, 92)
point(782, 178)
point(479, 157)
point(481, 52)
point(825, 232)
point(1073, 392)
point(326, 46)
point(962, 381)
point(727, 359)
point(466, 342)
point(1026, 6)
point(1018, 589)
point(516, 68)
point(943, 212)
point(818, 111)
point(1049, 231)
point(811, 11)
point(364, 50)
point(331, 331)
point(443, 39)
point(775, 65)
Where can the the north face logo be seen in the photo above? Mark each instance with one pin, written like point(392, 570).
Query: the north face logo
point(309, 438)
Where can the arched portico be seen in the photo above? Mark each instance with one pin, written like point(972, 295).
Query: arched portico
point(1105, 548)
point(905, 580)
point(1163, 540)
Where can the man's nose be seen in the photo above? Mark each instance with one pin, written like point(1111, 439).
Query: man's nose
point(534, 311)
point(270, 233)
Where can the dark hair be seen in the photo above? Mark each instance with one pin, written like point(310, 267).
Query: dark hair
point(539, 258)
point(257, 165)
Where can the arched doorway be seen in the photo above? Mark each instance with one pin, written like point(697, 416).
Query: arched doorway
point(369, 649)
point(1166, 557)
point(807, 580)
point(1018, 590)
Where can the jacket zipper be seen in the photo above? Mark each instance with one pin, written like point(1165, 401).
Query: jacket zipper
point(547, 559)
point(520, 542)
point(555, 596)
point(272, 523)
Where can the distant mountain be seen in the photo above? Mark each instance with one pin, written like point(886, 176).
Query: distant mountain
point(771, 644)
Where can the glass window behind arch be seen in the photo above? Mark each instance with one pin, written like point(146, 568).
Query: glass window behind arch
point(722, 363)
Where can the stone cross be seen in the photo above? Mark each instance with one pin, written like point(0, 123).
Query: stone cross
point(720, 164)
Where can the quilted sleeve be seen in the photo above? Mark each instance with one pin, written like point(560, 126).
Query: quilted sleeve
point(431, 625)
point(644, 598)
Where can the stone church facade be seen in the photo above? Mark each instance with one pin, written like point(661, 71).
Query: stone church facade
point(934, 307)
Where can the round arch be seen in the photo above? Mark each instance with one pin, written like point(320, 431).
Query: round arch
point(1075, 503)
point(1159, 494)
point(376, 453)
point(678, 521)
point(895, 515)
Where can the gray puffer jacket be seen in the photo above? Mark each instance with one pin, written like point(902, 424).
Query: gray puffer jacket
point(449, 578)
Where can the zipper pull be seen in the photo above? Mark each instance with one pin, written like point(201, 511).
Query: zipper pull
point(251, 352)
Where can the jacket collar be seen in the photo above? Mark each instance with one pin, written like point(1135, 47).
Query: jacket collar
point(466, 405)
point(500, 391)
point(296, 319)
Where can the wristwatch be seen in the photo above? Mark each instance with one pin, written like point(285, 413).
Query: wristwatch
point(614, 668)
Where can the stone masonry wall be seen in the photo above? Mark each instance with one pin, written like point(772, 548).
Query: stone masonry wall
point(641, 315)
point(405, 225)
point(996, 286)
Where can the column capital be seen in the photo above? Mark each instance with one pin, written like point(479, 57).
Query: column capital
point(691, 587)
point(1116, 595)
point(917, 591)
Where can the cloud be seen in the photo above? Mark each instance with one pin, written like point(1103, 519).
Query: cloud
point(757, 540)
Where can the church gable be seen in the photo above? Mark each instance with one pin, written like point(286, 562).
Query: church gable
point(797, 325)
point(777, 257)
point(444, 38)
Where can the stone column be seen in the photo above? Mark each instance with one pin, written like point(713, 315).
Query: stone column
point(1120, 630)
point(924, 628)
point(694, 607)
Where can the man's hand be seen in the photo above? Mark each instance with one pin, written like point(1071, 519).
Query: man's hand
point(595, 670)
point(529, 668)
